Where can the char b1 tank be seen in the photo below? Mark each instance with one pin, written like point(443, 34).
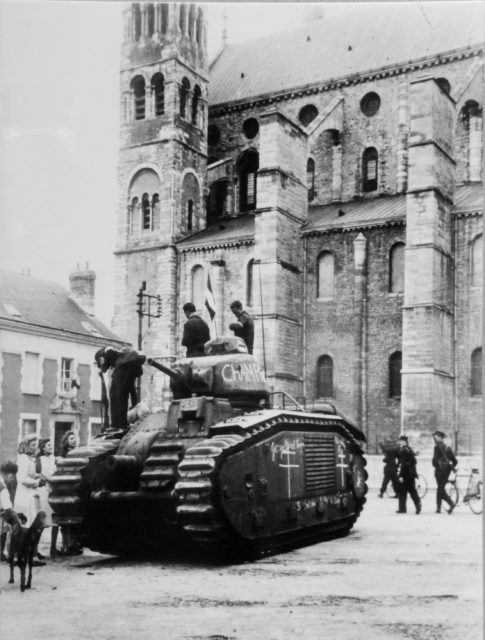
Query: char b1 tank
point(226, 469)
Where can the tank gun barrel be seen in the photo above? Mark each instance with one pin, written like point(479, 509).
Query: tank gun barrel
point(175, 375)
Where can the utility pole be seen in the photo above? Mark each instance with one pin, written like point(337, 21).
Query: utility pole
point(148, 306)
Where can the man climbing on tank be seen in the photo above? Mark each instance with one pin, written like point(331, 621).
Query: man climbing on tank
point(126, 366)
point(244, 327)
point(444, 461)
point(196, 332)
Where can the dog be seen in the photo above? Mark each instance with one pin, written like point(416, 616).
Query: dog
point(23, 545)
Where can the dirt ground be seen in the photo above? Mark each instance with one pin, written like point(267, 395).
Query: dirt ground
point(395, 576)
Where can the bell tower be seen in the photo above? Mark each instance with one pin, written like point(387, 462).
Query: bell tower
point(162, 162)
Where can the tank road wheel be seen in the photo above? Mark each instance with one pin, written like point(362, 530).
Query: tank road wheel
point(359, 477)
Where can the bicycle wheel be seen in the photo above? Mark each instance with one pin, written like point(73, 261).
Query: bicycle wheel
point(475, 499)
point(421, 486)
point(452, 491)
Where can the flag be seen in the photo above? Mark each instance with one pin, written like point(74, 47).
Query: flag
point(210, 302)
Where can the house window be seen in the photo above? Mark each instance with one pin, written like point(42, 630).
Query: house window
point(325, 377)
point(150, 17)
point(133, 216)
point(146, 213)
point(248, 167)
point(307, 114)
point(213, 135)
point(67, 374)
point(95, 429)
point(326, 276)
point(183, 18)
point(198, 34)
point(164, 17)
point(476, 372)
point(158, 88)
point(369, 169)
point(155, 211)
point(138, 88)
point(198, 286)
point(395, 366)
point(396, 268)
point(184, 96)
point(31, 382)
point(195, 104)
point(370, 104)
point(250, 283)
point(95, 384)
point(29, 423)
point(216, 204)
point(477, 261)
point(310, 178)
point(190, 214)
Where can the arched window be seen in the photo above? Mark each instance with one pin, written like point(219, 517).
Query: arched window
point(216, 204)
point(477, 261)
point(182, 17)
point(476, 372)
point(369, 169)
point(395, 366)
point(146, 213)
point(191, 21)
point(198, 286)
point(138, 88)
point(396, 268)
point(136, 20)
point(158, 88)
point(198, 34)
point(248, 168)
point(156, 211)
point(325, 377)
point(144, 201)
point(310, 178)
point(190, 214)
point(133, 216)
point(326, 276)
point(184, 95)
point(249, 283)
point(195, 103)
point(164, 17)
point(150, 9)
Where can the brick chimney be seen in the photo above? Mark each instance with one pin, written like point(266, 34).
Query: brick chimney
point(82, 284)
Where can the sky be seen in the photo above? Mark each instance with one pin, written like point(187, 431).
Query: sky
point(59, 130)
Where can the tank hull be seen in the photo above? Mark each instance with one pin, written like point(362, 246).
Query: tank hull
point(255, 483)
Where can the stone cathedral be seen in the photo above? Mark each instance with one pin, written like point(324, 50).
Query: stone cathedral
point(329, 177)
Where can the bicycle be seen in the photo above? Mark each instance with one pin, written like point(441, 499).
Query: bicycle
point(473, 495)
point(421, 488)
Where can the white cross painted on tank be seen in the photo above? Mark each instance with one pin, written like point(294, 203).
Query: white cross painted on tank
point(342, 464)
point(288, 466)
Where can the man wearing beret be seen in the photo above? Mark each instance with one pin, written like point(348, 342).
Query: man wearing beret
point(407, 475)
point(444, 462)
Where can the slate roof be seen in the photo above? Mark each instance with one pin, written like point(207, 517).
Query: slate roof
point(29, 301)
point(225, 232)
point(349, 39)
point(372, 212)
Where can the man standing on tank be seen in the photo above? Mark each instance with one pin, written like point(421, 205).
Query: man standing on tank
point(196, 332)
point(244, 327)
point(406, 475)
point(444, 462)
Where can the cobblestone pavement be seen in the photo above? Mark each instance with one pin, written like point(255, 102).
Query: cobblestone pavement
point(395, 576)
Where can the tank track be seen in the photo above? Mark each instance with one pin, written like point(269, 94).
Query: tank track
point(198, 510)
point(160, 469)
point(66, 497)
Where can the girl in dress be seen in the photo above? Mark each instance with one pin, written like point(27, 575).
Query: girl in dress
point(46, 466)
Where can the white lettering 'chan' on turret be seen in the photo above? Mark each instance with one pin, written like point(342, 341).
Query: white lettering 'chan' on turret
point(246, 372)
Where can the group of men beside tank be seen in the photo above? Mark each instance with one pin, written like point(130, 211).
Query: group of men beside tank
point(400, 469)
point(120, 368)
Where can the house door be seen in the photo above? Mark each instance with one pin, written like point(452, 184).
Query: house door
point(60, 428)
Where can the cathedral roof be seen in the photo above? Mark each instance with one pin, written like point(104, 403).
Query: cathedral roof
point(369, 212)
point(350, 40)
point(226, 232)
point(30, 303)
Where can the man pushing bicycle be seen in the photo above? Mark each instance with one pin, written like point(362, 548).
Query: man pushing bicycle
point(444, 462)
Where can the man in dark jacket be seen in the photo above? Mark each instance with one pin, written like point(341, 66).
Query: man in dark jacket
point(444, 462)
point(390, 470)
point(196, 332)
point(407, 474)
point(244, 327)
point(126, 365)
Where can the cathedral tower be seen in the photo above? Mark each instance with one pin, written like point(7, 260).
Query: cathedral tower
point(162, 162)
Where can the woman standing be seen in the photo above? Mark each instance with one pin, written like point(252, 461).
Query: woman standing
point(28, 480)
point(46, 466)
point(68, 443)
